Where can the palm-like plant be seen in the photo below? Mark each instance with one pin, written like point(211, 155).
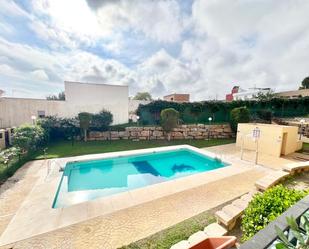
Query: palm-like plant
point(84, 122)
point(302, 236)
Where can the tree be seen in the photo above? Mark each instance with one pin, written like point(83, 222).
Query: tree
point(60, 96)
point(265, 96)
point(102, 120)
point(143, 96)
point(84, 122)
point(305, 83)
point(169, 120)
point(239, 115)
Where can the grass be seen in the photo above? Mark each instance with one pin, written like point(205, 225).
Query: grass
point(170, 236)
point(65, 148)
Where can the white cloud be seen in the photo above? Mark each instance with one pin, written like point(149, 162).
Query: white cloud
point(40, 74)
point(258, 42)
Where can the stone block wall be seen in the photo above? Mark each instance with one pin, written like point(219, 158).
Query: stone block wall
point(199, 131)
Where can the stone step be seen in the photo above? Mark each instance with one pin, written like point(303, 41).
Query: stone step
point(215, 230)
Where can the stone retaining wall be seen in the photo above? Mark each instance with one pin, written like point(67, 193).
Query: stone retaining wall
point(199, 131)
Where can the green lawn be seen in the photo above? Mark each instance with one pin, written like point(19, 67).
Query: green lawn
point(65, 149)
point(170, 236)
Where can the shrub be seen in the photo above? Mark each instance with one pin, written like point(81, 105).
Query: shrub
point(265, 115)
point(101, 121)
point(169, 120)
point(59, 128)
point(239, 115)
point(265, 207)
point(29, 137)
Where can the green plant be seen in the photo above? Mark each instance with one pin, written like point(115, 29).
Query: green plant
point(239, 115)
point(29, 137)
point(264, 114)
point(8, 154)
point(101, 121)
point(84, 122)
point(301, 235)
point(220, 111)
point(266, 207)
point(169, 120)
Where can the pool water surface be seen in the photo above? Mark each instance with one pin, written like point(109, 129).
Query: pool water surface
point(87, 180)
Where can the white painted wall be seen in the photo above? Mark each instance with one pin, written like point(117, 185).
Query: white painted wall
point(95, 97)
point(79, 97)
point(17, 111)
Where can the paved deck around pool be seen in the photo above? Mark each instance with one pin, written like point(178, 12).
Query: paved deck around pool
point(110, 223)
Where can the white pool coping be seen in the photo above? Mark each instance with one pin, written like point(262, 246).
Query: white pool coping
point(36, 215)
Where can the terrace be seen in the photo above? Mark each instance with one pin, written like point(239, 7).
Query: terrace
point(130, 194)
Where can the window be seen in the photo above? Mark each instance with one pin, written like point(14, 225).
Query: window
point(41, 114)
point(1, 135)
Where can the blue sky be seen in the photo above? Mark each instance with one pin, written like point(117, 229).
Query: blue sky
point(191, 46)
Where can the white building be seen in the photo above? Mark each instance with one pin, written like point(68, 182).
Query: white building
point(250, 93)
point(79, 97)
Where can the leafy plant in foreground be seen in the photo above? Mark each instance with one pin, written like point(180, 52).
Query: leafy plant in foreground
point(302, 236)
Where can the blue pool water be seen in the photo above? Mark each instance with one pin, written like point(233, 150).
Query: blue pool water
point(87, 180)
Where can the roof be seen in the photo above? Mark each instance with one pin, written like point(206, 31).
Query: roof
point(89, 83)
point(173, 94)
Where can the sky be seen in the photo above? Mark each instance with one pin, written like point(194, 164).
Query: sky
point(201, 47)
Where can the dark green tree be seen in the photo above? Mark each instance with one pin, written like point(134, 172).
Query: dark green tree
point(60, 96)
point(169, 120)
point(84, 122)
point(305, 83)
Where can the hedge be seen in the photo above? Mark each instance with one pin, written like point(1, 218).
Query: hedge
point(266, 207)
point(220, 111)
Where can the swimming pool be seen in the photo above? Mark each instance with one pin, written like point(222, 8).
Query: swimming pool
point(87, 180)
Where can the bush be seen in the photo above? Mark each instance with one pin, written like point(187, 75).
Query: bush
point(101, 121)
point(29, 137)
point(59, 128)
point(239, 115)
point(7, 155)
point(266, 207)
point(169, 120)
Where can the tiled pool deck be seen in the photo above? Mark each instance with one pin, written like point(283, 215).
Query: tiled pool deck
point(28, 221)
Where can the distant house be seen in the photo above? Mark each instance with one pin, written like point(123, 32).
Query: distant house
point(293, 94)
point(79, 97)
point(238, 93)
point(176, 97)
point(229, 97)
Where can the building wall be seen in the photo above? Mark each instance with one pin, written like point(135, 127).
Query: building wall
point(293, 94)
point(177, 97)
point(17, 111)
point(95, 97)
point(79, 97)
point(271, 138)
